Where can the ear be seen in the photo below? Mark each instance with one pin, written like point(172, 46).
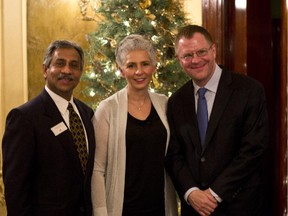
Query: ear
point(214, 50)
point(122, 73)
point(44, 71)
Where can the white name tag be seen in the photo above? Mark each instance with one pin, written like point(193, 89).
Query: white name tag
point(59, 128)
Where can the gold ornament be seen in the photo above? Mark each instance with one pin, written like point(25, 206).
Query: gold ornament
point(145, 4)
point(155, 81)
point(152, 17)
point(97, 4)
point(98, 56)
point(113, 43)
point(116, 17)
point(147, 12)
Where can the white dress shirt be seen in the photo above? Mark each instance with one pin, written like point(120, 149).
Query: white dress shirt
point(62, 105)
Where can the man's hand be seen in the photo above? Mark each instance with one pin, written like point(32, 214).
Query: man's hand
point(202, 201)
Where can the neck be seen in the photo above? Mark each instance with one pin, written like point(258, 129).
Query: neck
point(137, 99)
point(137, 95)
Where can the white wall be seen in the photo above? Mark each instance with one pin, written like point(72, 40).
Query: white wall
point(13, 69)
point(193, 8)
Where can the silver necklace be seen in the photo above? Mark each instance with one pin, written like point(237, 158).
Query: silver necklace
point(141, 104)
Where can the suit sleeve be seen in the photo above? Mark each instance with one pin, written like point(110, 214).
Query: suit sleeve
point(18, 152)
point(175, 161)
point(254, 139)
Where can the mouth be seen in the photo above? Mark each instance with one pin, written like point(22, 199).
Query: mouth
point(139, 80)
point(198, 67)
point(66, 78)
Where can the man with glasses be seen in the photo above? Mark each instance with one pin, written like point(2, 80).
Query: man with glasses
point(219, 133)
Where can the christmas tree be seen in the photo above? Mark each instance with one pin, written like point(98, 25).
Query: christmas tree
point(158, 20)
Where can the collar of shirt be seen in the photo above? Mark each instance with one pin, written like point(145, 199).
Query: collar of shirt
point(62, 106)
point(212, 84)
point(60, 102)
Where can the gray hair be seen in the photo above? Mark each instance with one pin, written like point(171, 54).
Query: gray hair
point(62, 44)
point(134, 42)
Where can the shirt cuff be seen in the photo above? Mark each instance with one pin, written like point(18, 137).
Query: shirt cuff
point(188, 193)
point(219, 200)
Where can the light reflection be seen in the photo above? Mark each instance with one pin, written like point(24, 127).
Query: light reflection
point(241, 4)
point(118, 73)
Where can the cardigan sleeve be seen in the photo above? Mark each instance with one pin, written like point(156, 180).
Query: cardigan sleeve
point(98, 193)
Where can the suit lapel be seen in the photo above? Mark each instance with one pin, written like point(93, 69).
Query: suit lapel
point(224, 92)
point(53, 117)
point(190, 116)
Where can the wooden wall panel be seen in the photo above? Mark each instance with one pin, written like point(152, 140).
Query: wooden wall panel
point(212, 20)
point(283, 109)
point(227, 26)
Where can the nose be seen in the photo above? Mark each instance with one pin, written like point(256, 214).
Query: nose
point(66, 69)
point(139, 71)
point(195, 58)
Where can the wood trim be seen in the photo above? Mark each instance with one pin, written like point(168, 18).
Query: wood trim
point(227, 26)
point(283, 113)
point(212, 20)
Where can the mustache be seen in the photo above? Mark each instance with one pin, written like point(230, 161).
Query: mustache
point(65, 76)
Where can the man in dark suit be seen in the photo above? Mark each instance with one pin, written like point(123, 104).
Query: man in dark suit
point(218, 173)
point(42, 171)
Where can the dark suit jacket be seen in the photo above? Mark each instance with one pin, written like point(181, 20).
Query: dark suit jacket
point(235, 141)
point(41, 171)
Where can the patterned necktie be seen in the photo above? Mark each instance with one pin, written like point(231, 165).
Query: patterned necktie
point(202, 114)
point(78, 135)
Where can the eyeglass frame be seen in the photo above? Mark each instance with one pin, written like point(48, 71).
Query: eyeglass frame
point(199, 53)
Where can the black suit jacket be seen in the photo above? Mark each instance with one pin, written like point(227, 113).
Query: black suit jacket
point(235, 141)
point(41, 171)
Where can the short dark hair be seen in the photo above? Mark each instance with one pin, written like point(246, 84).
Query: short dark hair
point(188, 32)
point(59, 44)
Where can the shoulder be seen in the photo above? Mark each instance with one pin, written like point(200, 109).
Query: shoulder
point(28, 112)
point(242, 85)
point(187, 90)
point(241, 79)
point(158, 96)
point(116, 101)
point(159, 101)
point(83, 106)
point(33, 106)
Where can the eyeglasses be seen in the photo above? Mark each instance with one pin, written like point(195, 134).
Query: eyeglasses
point(199, 53)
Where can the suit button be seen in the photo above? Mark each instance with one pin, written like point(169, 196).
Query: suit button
point(202, 159)
point(204, 184)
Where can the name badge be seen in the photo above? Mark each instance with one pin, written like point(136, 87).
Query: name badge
point(59, 128)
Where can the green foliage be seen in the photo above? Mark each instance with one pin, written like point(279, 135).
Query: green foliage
point(158, 20)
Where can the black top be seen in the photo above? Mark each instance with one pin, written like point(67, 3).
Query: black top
point(144, 178)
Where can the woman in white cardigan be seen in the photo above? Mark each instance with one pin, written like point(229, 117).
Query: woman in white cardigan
point(132, 137)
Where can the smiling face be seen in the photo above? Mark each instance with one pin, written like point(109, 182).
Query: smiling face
point(64, 72)
point(138, 70)
point(199, 67)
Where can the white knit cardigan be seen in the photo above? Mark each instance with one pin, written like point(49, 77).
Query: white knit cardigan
point(110, 156)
